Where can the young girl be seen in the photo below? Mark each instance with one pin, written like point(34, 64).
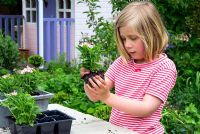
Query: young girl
point(142, 76)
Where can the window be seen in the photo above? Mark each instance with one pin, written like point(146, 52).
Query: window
point(64, 9)
point(30, 9)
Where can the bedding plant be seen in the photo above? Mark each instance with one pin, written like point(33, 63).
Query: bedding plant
point(91, 60)
point(23, 108)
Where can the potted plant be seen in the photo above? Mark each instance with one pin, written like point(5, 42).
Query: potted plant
point(91, 60)
point(27, 118)
point(23, 110)
point(26, 83)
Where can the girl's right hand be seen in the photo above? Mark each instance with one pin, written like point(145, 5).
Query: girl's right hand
point(90, 93)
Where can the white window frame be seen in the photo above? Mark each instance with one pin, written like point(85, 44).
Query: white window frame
point(31, 9)
point(64, 10)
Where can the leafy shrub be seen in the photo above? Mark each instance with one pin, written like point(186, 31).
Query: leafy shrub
point(60, 62)
point(3, 71)
point(27, 82)
point(9, 54)
point(186, 56)
point(8, 85)
point(35, 60)
point(184, 122)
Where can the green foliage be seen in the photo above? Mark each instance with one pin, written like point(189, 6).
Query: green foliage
point(9, 2)
point(26, 82)
point(60, 62)
point(104, 34)
point(81, 103)
point(101, 111)
point(193, 18)
point(186, 121)
point(9, 54)
point(90, 57)
point(186, 56)
point(60, 97)
point(8, 85)
point(35, 60)
point(70, 83)
point(92, 13)
point(22, 107)
point(3, 71)
point(180, 16)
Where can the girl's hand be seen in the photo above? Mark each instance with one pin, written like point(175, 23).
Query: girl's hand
point(84, 71)
point(90, 93)
point(100, 88)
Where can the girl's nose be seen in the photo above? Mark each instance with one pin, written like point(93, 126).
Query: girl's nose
point(127, 44)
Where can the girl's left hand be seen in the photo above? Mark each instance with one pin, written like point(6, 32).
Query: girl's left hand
point(100, 87)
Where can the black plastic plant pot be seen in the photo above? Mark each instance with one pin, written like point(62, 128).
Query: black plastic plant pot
point(61, 124)
point(26, 129)
point(21, 129)
point(49, 122)
point(46, 125)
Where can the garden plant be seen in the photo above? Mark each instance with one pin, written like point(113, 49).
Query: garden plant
point(90, 60)
point(23, 108)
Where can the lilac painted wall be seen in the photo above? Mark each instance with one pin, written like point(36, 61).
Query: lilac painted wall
point(50, 9)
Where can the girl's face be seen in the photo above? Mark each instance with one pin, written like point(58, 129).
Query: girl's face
point(133, 44)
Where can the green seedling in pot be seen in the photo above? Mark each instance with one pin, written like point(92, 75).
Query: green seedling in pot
point(90, 60)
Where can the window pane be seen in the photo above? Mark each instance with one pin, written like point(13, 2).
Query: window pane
point(61, 15)
point(28, 18)
point(33, 4)
point(28, 4)
point(68, 15)
point(68, 4)
point(60, 4)
point(33, 16)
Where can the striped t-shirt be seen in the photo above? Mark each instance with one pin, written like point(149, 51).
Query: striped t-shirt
point(133, 81)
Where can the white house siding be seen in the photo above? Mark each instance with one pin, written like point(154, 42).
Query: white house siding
point(80, 19)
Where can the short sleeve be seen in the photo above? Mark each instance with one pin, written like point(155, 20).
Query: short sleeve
point(113, 69)
point(162, 83)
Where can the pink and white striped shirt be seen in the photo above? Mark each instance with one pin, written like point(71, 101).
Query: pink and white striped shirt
point(133, 81)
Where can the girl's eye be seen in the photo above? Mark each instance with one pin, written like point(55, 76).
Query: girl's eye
point(133, 38)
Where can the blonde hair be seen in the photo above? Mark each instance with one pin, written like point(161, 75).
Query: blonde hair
point(144, 19)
